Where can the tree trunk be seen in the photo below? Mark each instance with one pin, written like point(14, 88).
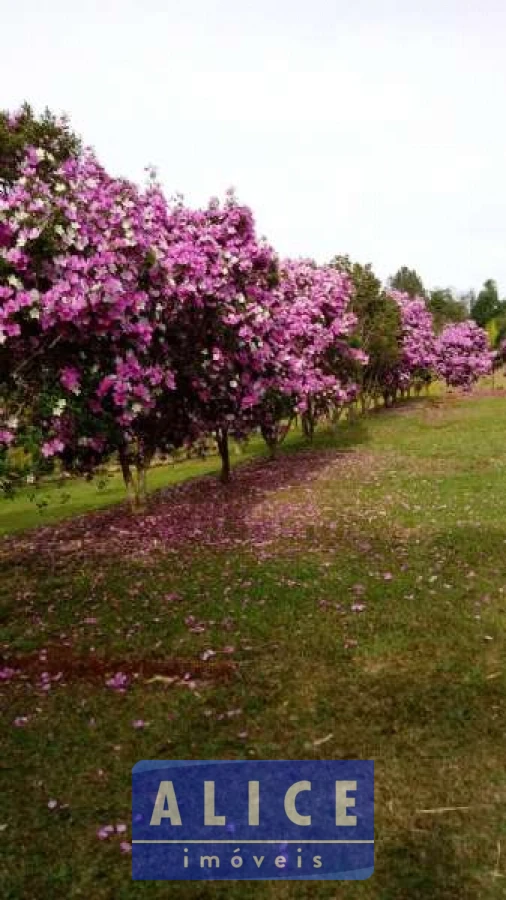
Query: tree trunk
point(308, 423)
point(270, 437)
point(141, 486)
point(224, 450)
point(135, 480)
point(127, 477)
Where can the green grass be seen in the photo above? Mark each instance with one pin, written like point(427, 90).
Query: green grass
point(417, 680)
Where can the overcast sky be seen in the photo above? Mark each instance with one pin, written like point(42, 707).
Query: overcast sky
point(370, 127)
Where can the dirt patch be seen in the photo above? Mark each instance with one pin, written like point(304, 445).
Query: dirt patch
point(62, 661)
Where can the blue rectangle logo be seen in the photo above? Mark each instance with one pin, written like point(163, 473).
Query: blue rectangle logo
point(252, 820)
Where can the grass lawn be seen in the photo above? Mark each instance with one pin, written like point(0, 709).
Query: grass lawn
point(354, 596)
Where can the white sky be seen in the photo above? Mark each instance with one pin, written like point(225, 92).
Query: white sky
point(350, 126)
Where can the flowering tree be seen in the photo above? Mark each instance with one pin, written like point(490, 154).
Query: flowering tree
point(310, 365)
point(79, 286)
point(122, 319)
point(217, 277)
point(20, 130)
point(418, 357)
point(463, 354)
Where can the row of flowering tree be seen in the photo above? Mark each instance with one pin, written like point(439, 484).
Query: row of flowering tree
point(131, 325)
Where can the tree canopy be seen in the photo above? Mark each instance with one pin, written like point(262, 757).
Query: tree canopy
point(487, 305)
point(407, 281)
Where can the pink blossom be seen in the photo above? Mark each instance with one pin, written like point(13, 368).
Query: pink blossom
point(20, 721)
point(6, 437)
point(118, 682)
point(70, 379)
point(7, 673)
point(51, 448)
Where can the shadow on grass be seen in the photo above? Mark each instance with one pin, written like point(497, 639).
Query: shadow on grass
point(197, 513)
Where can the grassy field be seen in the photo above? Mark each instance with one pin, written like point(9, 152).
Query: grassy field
point(354, 596)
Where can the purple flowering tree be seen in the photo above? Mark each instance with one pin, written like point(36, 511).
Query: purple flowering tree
point(310, 365)
point(78, 307)
point(417, 361)
point(463, 354)
point(217, 280)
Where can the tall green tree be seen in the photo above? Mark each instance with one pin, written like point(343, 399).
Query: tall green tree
point(487, 305)
point(446, 308)
point(378, 329)
point(408, 281)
